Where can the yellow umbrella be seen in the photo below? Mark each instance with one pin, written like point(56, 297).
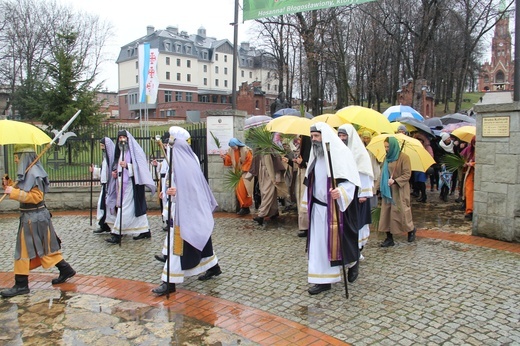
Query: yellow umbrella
point(332, 119)
point(290, 124)
point(396, 124)
point(420, 159)
point(366, 117)
point(17, 132)
point(465, 133)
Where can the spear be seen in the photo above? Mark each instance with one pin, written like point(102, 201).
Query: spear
point(340, 233)
point(168, 243)
point(47, 147)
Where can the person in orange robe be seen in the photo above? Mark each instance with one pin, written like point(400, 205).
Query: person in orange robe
point(469, 181)
point(239, 156)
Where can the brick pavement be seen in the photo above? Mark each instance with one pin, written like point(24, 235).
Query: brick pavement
point(438, 290)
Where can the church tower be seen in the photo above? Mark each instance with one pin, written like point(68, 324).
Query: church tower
point(498, 74)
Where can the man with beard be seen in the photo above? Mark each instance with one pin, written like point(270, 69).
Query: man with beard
point(329, 244)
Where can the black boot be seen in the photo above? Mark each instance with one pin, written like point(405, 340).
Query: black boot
point(213, 271)
point(21, 286)
point(66, 272)
point(353, 272)
point(411, 235)
point(389, 241)
point(164, 288)
point(114, 239)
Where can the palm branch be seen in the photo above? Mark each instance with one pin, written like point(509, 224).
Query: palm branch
point(215, 138)
point(376, 216)
point(260, 139)
point(232, 178)
point(453, 162)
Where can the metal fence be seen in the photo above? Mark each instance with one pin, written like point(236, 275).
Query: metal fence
point(68, 165)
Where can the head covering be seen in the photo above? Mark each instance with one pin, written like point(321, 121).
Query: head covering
point(233, 142)
point(367, 134)
point(363, 162)
point(391, 156)
point(342, 158)
point(469, 152)
point(108, 155)
point(446, 147)
point(142, 175)
point(36, 176)
point(178, 132)
point(165, 137)
point(401, 128)
point(195, 202)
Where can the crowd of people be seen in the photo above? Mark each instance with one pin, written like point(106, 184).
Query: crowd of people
point(332, 179)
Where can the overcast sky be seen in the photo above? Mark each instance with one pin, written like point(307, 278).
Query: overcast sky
point(130, 19)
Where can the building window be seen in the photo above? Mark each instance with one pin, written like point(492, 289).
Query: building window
point(170, 113)
point(178, 76)
point(216, 82)
point(268, 74)
point(216, 57)
point(167, 60)
point(188, 63)
point(203, 98)
point(268, 86)
point(137, 78)
point(168, 96)
point(205, 68)
point(126, 99)
point(242, 73)
point(225, 70)
point(167, 46)
point(250, 74)
point(178, 48)
point(275, 87)
point(205, 55)
point(189, 97)
point(167, 75)
point(257, 104)
point(223, 99)
point(205, 81)
point(225, 58)
point(137, 65)
point(162, 114)
point(188, 77)
point(179, 62)
point(188, 49)
point(216, 69)
point(225, 83)
point(178, 96)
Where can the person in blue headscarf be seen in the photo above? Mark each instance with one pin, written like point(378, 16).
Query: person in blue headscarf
point(396, 214)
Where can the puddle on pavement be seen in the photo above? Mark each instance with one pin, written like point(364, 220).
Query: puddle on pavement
point(62, 318)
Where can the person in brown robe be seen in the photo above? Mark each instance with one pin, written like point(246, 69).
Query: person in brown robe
point(396, 214)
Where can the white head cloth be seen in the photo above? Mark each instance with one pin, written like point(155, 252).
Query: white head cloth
point(343, 163)
point(179, 132)
point(356, 146)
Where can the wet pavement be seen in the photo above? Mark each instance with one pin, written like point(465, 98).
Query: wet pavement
point(446, 288)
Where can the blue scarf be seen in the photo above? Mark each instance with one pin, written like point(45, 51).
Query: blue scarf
point(391, 156)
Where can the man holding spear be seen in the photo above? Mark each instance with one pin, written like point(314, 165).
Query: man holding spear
point(331, 179)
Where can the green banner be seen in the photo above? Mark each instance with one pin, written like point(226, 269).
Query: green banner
point(254, 9)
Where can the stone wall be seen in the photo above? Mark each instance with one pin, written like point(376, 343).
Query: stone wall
point(497, 173)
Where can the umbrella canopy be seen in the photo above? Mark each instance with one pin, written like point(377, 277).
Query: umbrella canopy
point(332, 119)
point(457, 118)
point(434, 123)
point(289, 124)
point(394, 112)
point(17, 132)
point(256, 120)
point(290, 111)
point(465, 133)
point(366, 117)
point(420, 126)
point(420, 159)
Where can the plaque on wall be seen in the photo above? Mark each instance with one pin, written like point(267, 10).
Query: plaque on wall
point(495, 127)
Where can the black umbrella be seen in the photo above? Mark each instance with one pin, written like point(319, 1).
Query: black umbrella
point(457, 118)
point(434, 123)
point(419, 125)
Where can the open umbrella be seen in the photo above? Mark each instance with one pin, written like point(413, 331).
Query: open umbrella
point(417, 124)
point(289, 124)
point(290, 111)
point(394, 112)
point(256, 120)
point(434, 123)
point(420, 159)
point(465, 133)
point(396, 124)
point(332, 119)
point(457, 118)
point(367, 118)
point(17, 132)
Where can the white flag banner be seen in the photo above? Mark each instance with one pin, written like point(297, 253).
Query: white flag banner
point(148, 78)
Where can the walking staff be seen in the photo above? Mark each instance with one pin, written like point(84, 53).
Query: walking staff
point(91, 173)
point(122, 147)
point(168, 246)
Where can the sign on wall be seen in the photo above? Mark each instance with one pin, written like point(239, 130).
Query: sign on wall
point(219, 132)
point(254, 9)
point(495, 127)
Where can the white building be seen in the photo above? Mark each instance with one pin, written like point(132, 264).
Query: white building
point(195, 74)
